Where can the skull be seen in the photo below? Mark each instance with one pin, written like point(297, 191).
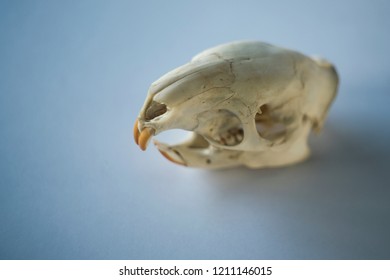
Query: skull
point(246, 103)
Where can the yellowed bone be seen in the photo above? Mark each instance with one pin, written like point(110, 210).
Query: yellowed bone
point(144, 137)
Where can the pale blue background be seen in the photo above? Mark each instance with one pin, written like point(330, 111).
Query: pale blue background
point(73, 185)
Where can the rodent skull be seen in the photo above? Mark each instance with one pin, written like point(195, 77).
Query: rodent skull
point(246, 103)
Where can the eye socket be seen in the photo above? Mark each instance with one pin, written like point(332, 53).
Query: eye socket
point(155, 110)
point(222, 126)
point(269, 126)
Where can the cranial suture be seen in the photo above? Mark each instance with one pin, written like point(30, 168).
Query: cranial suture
point(245, 103)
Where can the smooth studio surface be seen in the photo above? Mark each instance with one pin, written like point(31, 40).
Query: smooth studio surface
point(73, 185)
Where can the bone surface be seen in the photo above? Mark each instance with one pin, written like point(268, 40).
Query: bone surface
point(245, 103)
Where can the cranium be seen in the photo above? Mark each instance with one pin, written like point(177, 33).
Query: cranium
point(246, 103)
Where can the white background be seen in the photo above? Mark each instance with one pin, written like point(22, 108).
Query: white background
point(73, 185)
